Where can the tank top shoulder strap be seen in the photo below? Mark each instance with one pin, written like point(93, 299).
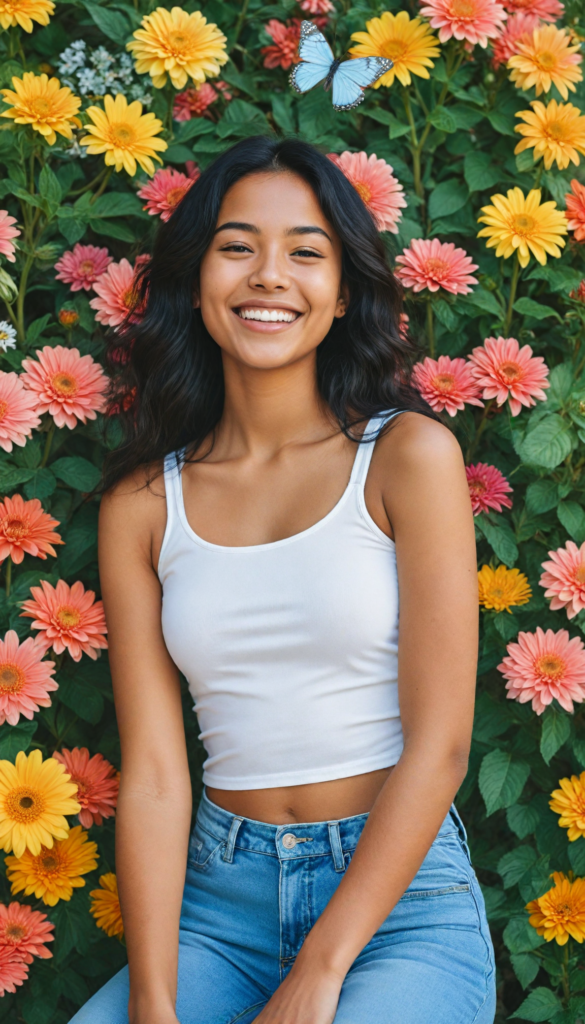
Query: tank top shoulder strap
point(173, 465)
point(366, 448)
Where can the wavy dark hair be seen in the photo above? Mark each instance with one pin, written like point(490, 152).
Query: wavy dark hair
point(167, 369)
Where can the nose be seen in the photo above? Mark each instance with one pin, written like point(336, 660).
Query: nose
point(270, 273)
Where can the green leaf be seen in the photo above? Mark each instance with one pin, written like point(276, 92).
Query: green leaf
point(540, 1005)
point(479, 172)
point(283, 113)
point(572, 516)
point(525, 161)
point(500, 538)
point(466, 117)
point(442, 119)
point(16, 737)
point(11, 478)
point(548, 444)
point(77, 472)
point(520, 936)
point(528, 307)
point(447, 198)
point(522, 819)
point(178, 154)
point(486, 301)
point(561, 382)
point(41, 484)
point(556, 729)
point(49, 187)
point(112, 230)
point(30, 456)
point(526, 967)
point(36, 328)
point(577, 857)
point(579, 751)
point(515, 864)
point(196, 126)
point(541, 496)
point(444, 313)
point(113, 24)
point(83, 698)
point(71, 918)
point(501, 780)
point(502, 124)
point(117, 204)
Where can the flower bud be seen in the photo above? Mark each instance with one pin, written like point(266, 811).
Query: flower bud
point(8, 288)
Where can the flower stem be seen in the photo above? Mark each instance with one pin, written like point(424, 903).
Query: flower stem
point(479, 431)
point(48, 443)
point(102, 187)
point(20, 300)
point(240, 21)
point(89, 185)
point(513, 286)
point(565, 977)
point(430, 329)
point(8, 575)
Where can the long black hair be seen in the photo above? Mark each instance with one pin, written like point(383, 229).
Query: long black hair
point(167, 369)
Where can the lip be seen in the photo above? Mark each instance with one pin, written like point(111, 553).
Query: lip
point(266, 326)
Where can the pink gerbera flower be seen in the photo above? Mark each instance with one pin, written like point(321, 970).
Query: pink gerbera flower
point(473, 20)
point(7, 232)
point(432, 264)
point(376, 185)
point(18, 411)
point(286, 43)
point(68, 386)
point(25, 931)
point(81, 266)
point(97, 784)
point(193, 102)
point(13, 970)
point(576, 210)
point(116, 293)
point(542, 666)
point(516, 28)
point(25, 680)
point(67, 617)
point(506, 371)
point(564, 576)
point(25, 528)
point(446, 383)
point(488, 488)
point(546, 10)
point(164, 193)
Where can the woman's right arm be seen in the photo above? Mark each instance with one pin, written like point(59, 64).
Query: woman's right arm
point(155, 801)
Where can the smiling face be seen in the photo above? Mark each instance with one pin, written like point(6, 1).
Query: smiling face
point(270, 281)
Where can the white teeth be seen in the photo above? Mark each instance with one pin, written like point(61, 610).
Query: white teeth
point(268, 315)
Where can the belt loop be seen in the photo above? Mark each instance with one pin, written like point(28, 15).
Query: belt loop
point(228, 853)
point(336, 850)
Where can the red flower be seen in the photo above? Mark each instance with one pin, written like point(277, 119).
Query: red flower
point(286, 40)
point(67, 617)
point(446, 383)
point(506, 371)
point(97, 784)
point(576, 210)
point(26, 529)
point(488, 488)
point(25, 931)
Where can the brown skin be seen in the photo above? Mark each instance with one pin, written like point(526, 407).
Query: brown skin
point(279, 465)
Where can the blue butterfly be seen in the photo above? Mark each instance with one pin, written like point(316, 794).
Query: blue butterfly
point(349, 78)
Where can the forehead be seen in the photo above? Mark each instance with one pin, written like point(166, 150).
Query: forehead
point(276, 200)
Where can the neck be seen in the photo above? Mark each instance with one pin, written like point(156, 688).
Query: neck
point(265, 410)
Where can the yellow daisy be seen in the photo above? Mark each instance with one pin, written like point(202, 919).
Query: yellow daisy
point(24, 12)
point(105, 906)
point(178, 44)
point(561, 911)
point(34, 797)
point(502, 588)
point(522, 224)
point(547, 58)
point(569, 802)
point(54, 873)
point(557, 133)
point(43, 103)
point(124, 134)
point(408, 42)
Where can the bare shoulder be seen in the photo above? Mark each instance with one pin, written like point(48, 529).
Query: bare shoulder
point(134, 510)
point(416, 443)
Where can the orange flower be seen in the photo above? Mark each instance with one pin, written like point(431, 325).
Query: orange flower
point(26, 529)
point(68, 386)
point(67, 617)
point(25, 679)
point(25, 931)
point(576, 210)
point(97, 784)
point(105, 906)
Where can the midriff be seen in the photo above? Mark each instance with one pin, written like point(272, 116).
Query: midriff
point(317, 801)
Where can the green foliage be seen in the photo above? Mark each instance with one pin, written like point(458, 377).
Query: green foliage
point(450, 142)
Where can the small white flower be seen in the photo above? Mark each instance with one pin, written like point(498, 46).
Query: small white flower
point(7, 335)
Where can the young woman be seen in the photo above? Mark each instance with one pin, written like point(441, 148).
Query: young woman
point(280, 485)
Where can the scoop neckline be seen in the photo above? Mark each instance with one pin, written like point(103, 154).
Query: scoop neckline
point(283, 540)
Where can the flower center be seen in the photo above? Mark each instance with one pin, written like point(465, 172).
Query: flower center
point(87, 266)
point(511, 372)
point(49, 862)
point(522, 223)
point(556, 130)
point(11, 678)
point(546, 60)
point(122, 135)
point(40, 107)
point(174, 195)
point(64, 384)
point(551, 666)
point(14, 932)
point(395, 49)
point(15, 529)
point(4, 336)
point(580, 573)
point(3, 410)
point(463, 8)
point(24, 805)
point(363, 191)
point(435, 268)
point(444, 382)
point(477, 487)
point(497, 592)
point(68, 617)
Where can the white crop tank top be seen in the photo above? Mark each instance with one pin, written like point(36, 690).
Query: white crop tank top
point(289, 648)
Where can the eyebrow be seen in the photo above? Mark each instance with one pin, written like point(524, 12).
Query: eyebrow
point(236, 225)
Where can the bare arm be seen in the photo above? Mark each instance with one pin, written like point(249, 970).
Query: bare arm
point(154, 807)
point(425, 494)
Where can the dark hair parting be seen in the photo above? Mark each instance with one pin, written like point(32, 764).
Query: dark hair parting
point(167, 369)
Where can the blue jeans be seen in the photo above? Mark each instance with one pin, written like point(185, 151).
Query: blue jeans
point(254, 890)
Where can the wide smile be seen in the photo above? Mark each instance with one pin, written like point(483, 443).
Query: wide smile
point(266, 318)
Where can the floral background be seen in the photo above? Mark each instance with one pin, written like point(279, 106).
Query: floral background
point(468, 153)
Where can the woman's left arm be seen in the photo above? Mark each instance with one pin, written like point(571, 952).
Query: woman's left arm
point(419, 475)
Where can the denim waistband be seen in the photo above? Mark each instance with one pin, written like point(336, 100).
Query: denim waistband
point(296, 839)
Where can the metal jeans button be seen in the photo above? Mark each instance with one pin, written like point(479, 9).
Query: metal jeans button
point(289, 841)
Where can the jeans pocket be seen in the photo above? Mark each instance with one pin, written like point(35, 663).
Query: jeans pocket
point(203, 848)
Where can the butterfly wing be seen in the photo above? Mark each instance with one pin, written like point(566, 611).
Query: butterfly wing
point(316, 58)
point(353, 76)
